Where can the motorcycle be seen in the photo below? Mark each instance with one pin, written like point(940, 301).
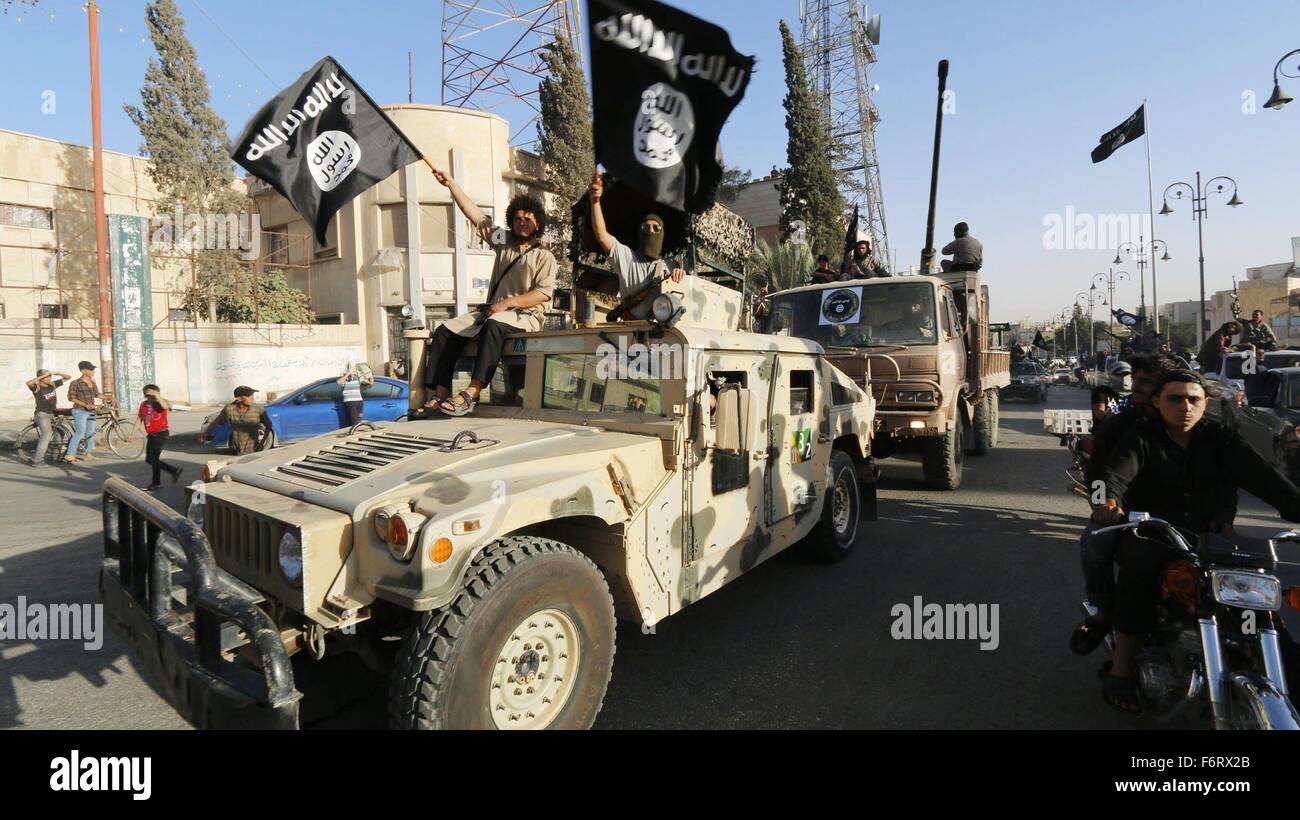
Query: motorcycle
point(1217, 642)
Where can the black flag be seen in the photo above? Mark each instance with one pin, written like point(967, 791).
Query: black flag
point(850, 240)
point(1122, 134)
point(1127, 319)
point(1039, 341)
point(321, 142)
point(663, 84)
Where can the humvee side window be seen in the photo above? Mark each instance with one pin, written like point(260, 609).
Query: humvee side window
point(801, 392)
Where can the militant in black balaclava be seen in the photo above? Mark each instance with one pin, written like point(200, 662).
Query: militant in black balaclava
point(652, 244)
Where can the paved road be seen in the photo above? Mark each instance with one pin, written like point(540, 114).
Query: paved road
point(793, 644)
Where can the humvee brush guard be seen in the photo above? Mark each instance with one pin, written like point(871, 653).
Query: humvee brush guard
point(625, 470)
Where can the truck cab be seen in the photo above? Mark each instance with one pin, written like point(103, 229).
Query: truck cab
point(920, 345)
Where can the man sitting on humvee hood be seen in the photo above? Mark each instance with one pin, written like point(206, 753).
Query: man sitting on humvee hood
point(523, 279)
point(634, 267)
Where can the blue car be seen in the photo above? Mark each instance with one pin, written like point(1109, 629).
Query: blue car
point(318, 408)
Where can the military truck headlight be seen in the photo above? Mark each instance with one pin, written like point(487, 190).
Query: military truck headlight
point(291, 557)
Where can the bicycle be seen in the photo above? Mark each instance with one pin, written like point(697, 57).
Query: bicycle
point(110, 430)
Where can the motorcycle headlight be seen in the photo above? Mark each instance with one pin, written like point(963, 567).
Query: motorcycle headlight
point(291, 557)
point(1246, 590)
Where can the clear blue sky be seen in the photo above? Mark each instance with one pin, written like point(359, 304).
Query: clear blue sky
point(1036, 84)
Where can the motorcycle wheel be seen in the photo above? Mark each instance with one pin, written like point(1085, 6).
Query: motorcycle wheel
point(1255, 703)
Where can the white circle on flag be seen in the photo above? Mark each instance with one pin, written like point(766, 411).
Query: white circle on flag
point(665, 125)
point(331, 157)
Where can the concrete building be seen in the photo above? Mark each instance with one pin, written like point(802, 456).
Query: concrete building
point(759, 204)
point(403, 230)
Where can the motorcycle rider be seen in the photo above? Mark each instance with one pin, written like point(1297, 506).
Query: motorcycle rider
point(1185, 469)
point(1097, 552)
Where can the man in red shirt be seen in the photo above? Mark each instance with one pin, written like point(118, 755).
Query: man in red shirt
point(153, 415)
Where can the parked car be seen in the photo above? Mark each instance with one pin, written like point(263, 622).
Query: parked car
point(1028, 381)
point(318, 408)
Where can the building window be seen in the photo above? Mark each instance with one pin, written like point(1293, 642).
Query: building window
point(330, 250)
point(54, 311)
point(277, 245)
point(437, 231)
point(23, 216)
point(392, 225)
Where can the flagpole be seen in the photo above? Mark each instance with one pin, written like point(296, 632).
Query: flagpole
point(1151, 206)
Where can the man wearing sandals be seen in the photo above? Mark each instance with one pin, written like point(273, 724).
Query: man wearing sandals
point(523, 279)
point(1184, 469)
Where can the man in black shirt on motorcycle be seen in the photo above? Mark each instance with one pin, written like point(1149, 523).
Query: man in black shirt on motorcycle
point(1097, 553)
point(1185, 469)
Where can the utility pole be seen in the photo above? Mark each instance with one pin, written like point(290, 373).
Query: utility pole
point(101, 218)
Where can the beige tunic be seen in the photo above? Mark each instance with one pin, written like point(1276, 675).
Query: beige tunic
point(536, 271)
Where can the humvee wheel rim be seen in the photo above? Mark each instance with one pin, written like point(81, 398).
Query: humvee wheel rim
point(840, 508)
point(536, 671)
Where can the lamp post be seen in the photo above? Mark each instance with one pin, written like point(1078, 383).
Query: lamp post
point(1199, 198)
point(1139, 252)
point(1279, 98)
point(1109, 277)
point(1092, 296)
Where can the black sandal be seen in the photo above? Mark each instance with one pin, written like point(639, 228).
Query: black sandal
point(1087, 636)
point(1121, 693)
point(458, 408)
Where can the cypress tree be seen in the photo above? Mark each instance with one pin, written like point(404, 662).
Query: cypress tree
point(564, 132)
point(808, 188)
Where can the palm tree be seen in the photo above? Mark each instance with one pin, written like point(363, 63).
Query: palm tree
point(788, 265)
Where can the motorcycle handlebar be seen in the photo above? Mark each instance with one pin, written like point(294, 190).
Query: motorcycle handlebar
point(1180, 543)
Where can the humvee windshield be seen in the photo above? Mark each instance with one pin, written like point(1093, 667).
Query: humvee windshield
point(854, 315)
point(587, 382)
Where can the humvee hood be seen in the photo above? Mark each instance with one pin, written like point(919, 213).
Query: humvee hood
point(346, 472)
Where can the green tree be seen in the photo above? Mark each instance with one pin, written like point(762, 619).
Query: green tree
point(808, 188)
point(564, 132)
point(189, 162)
point(733, 179)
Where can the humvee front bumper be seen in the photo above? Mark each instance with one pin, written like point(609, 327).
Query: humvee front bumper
point(207, 644)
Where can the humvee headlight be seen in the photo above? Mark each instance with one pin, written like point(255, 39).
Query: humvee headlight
point(195, 510)
point(399, 532)
point(291, 557)
point(666, 308)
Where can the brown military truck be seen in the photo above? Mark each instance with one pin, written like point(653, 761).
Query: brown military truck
point(922, 344)
point(623, 470)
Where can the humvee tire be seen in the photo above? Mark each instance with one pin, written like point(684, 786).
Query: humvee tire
point(986, 424)
point(942, 456)
point(465, 666)
point(837, 529)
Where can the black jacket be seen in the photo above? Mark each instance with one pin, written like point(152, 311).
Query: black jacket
point(1195, 488)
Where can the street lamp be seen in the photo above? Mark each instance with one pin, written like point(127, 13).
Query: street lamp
point(1199, 196)
point(1139, 251)
point(1092, 296)
point(1109, 278)
point(1279, 97)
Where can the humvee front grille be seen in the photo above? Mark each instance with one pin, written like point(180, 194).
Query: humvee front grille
point(244, 542)
point(355, 458)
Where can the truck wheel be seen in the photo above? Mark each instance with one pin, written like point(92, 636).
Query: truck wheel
point(986, 424)
point(941, 458)
point(837, 529)
point(527, 643)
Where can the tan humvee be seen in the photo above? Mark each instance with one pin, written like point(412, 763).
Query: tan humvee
point(622, 470)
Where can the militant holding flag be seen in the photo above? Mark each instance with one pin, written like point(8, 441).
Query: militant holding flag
point(321, 142)
point(1122, 134)
point(850, 240)
point(663, 84)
